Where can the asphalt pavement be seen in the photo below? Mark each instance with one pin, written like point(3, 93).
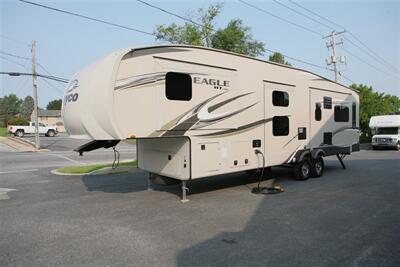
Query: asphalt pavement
point(347, 217)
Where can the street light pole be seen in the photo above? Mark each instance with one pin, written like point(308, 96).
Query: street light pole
point(35, 96)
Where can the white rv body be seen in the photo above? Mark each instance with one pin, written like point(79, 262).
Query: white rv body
point(229, 106)
point(386, 130)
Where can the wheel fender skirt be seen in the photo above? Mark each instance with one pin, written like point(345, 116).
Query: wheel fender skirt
point(95, 144)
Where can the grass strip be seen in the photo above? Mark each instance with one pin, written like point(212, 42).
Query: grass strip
point(90, 168)
point(3, 131)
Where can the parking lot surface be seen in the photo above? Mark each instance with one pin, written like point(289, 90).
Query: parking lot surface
point(345, 218)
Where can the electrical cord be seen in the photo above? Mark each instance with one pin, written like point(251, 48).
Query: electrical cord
point(262, 170)
point(116, 159)
point(265, 190)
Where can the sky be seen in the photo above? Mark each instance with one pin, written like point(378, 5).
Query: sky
point(66, 44)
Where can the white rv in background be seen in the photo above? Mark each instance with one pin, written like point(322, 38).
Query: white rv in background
point(197, 112)
point(386, 131)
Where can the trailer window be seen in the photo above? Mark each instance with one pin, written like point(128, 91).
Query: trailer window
point(318, 111)
point(178, 86)
point(327, 102)
point(280, 98)
point(341, 114)
point(280, 125)
point(353, 116)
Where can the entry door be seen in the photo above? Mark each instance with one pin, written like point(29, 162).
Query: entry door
point(280, 129)
point(321, 111)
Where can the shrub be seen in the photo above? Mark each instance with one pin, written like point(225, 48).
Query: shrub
point(18, 121)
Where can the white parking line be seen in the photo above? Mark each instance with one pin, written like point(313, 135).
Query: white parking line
point(30, 170)
point(64, 157)
point(4, 193)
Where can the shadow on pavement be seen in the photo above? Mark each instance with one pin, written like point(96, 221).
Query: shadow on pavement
point(137, 181)
point(343, 219)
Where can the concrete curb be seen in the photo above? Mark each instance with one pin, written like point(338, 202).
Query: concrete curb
point(105, 170)
point(21, 144)
point(365, 146)
point(22, 140)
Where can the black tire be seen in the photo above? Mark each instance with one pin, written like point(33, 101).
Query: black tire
point(302, 170)
point(398, 146)
point(19, 133)
point(318, 167)
point(51, 133)
point(374, 148)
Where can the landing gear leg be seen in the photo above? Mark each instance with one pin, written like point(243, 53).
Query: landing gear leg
point(340, 158)
point(184, 188)
point(149, 183)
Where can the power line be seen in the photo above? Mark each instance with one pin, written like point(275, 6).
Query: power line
point(14, 40)
point(45, 70)
point(88, 18)
point(201, 25)
point(316, 14)
point(25, 58)
point(280, 18)
point(298, 60)
point(58, 79)
point(21, 86)
point(12, 61)
point(12, 55)
point(363, 44)
point(369, 51)
point(49, 84)
point(171, 13)
point(372, 66)
point(302, 14)
point(346, 78)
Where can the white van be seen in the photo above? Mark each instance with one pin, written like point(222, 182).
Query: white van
point(386, 131)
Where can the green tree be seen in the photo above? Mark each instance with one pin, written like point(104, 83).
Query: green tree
point(235, 37)
point(9, 106)
point(27, 107)
point(373, 104)
point(54, 105)
point(278, 58)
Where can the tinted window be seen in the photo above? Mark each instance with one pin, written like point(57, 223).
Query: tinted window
point(178, 86)
point(280, 98)
point(387, 130)
point(327, 102)
point(318, 112)
point(341, 114)
point(280, 125)
point(354, 116)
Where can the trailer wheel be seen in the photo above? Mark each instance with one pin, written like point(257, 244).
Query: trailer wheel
point(302, 170)
point(317, 167)
point(19, 133)
point(374, 148)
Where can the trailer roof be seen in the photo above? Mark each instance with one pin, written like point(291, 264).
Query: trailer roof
point(240, 55)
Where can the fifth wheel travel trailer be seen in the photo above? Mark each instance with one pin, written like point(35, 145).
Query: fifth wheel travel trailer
point(386, 131)
point(197, 112)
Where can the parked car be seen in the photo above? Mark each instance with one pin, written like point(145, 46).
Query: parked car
point(386, 131)
point(20, 131)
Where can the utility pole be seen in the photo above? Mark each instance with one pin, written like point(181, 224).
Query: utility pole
point(333, 60)
point(35, 96)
